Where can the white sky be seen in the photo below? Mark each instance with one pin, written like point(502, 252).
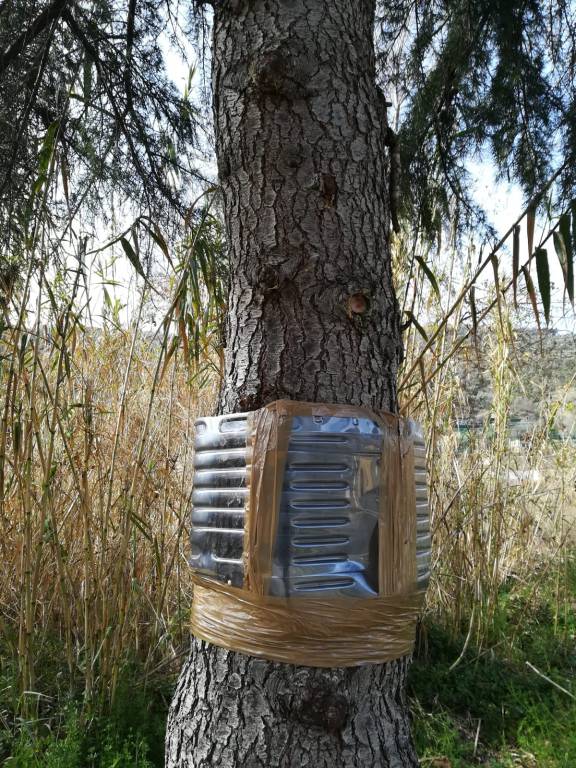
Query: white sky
point(503, 204)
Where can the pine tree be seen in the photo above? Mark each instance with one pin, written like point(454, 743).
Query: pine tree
point(305, 95)
point(301, 134)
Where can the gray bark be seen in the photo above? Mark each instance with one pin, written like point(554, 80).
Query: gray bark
point(300, 138)
point(235, 710)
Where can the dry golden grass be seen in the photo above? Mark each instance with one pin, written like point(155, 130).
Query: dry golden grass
point(96, 471)
point(502, 512)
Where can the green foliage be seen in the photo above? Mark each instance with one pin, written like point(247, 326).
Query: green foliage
point(201, 301)
point(567, 233)
point(90, 84)
point(102, 746)
point(478, 77)
point(128, 734)
point(91, 115)
point(491, 707)
point(543, 272)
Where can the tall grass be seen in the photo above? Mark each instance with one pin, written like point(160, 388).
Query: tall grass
point(95, 480)
point(503, 510)
point(96, 427)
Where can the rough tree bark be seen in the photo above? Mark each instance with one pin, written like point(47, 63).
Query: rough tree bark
point(300, 137)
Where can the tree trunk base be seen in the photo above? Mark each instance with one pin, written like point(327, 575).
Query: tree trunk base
point(237, 711)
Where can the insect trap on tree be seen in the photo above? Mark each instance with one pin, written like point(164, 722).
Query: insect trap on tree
point(310, 533)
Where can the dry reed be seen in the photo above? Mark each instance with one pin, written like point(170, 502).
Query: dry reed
point(96, 469)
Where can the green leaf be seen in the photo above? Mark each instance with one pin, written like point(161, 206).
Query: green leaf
point(560, 248)
point(564, 227)
point(140, 524)
point(23, 343)
point(45, 156)
point(65, 177)
point(429, 274)
point(17, 435)
point(158, 238)
point(412, 319)
point(473, 311)
point(515, 262)
point(530, 222)
point(565, 251)
point(543, 272)
point(160, 241)
point(495, 265)
point(173, 347)
point(132, 256)
point(47, 148)
point(532, 295)
point(570, 247)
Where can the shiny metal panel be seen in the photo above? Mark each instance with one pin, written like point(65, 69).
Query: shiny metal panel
point(328, 522)
point(423, 538)
point(219, 497)
point(327, 540)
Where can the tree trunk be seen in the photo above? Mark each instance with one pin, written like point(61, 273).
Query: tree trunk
point(300, 138)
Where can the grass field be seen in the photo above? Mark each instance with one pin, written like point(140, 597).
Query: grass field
point(95, 479)
point(491, 709)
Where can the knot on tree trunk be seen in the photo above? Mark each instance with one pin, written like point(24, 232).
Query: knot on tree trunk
point(276, 268)
point(319, 706)
point(283, 72)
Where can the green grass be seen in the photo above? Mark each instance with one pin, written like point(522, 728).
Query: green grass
point(110, 741)
point(102, 745)
point(128, 734)
point(515, 713)
point(490, 710)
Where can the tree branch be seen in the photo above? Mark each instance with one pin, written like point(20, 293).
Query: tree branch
point(43, 20)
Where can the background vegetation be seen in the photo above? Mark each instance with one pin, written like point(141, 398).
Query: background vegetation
point(112, 296)
point(97, 418)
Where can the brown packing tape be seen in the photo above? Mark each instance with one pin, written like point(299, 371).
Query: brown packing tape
point(267, 440)
point(397, 512)
point(324, 633)
point(303, 631)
